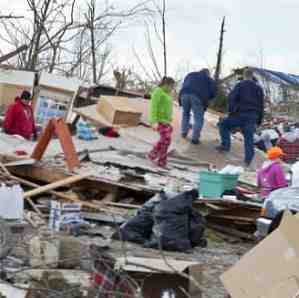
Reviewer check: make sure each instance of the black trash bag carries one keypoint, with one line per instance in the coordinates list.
(139, 228)
(172, 225)
(197, 229)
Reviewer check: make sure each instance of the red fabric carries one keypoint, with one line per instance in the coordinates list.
(290, 150)
(19, 120)
(21, 152)
(160, 150)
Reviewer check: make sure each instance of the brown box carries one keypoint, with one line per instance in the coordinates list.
(118, 111)
(157, 276)
(271, 269)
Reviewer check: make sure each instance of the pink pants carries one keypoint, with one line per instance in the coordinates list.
(159, 151)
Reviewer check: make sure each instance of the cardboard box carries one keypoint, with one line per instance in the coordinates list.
(118, 111)
(166, 277)
(269, 269)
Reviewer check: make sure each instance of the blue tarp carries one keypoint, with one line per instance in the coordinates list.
(278, 77)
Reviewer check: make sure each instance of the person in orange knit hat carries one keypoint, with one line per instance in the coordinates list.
(271, 176)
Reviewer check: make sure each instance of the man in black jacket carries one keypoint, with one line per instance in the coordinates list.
(246, 111)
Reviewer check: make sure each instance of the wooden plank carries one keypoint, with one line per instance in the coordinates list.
(64, 196)
(231, 231)
(121, 205)
(54, 185)
(231, 217)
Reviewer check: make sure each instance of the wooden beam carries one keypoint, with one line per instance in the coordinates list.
(121, 205)
(64, 196)
(54, 185)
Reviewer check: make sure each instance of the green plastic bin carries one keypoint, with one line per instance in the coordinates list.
(213, 184)
(230, 181)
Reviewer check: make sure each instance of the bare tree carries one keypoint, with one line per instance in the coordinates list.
(156, 42)
(10, 16)
(92, 49)
(43, 32)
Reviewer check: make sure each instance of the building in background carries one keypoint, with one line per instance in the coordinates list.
(281, 89)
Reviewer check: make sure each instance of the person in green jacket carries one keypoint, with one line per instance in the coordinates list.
(161, 109)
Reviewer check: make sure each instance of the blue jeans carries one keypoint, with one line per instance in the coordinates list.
(192, 103)
(247, 124)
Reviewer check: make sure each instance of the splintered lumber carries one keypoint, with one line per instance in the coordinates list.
(63, 196)
(121, 205)
(232, 232)
(54, 185)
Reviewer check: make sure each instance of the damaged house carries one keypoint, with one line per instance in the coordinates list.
(281, 89)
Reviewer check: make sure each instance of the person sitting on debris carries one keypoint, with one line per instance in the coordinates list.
(197, 91)
(246, 110)
(19, 118)
(161, 109)
(289, 143)
(271, 176)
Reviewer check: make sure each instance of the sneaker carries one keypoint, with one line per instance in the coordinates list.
(195, 142)
(163, 166)
(221, 148)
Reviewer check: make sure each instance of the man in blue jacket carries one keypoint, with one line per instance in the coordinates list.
(197, 90)
(246, 111)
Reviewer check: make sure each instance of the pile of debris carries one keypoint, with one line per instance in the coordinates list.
(95, 217)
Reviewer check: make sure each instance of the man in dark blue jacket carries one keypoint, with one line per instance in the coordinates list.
(197, 90)
(246, 111)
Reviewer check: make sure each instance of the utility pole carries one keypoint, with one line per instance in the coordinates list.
(220, 53)
(164, 36)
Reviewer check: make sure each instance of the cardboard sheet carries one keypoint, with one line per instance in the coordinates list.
(272, 264)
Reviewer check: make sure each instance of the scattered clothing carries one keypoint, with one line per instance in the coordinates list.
(270, 177)
(289, 143)
(19, 120)
(161, 110)
(197, 91)
(266, 139)
(85, 131)
(109, 132)
(106, 281)
(160, 150)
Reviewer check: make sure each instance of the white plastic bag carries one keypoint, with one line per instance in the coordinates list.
(295, 174)
(231, 170)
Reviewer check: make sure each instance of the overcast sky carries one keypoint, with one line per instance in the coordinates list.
(258, 32)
